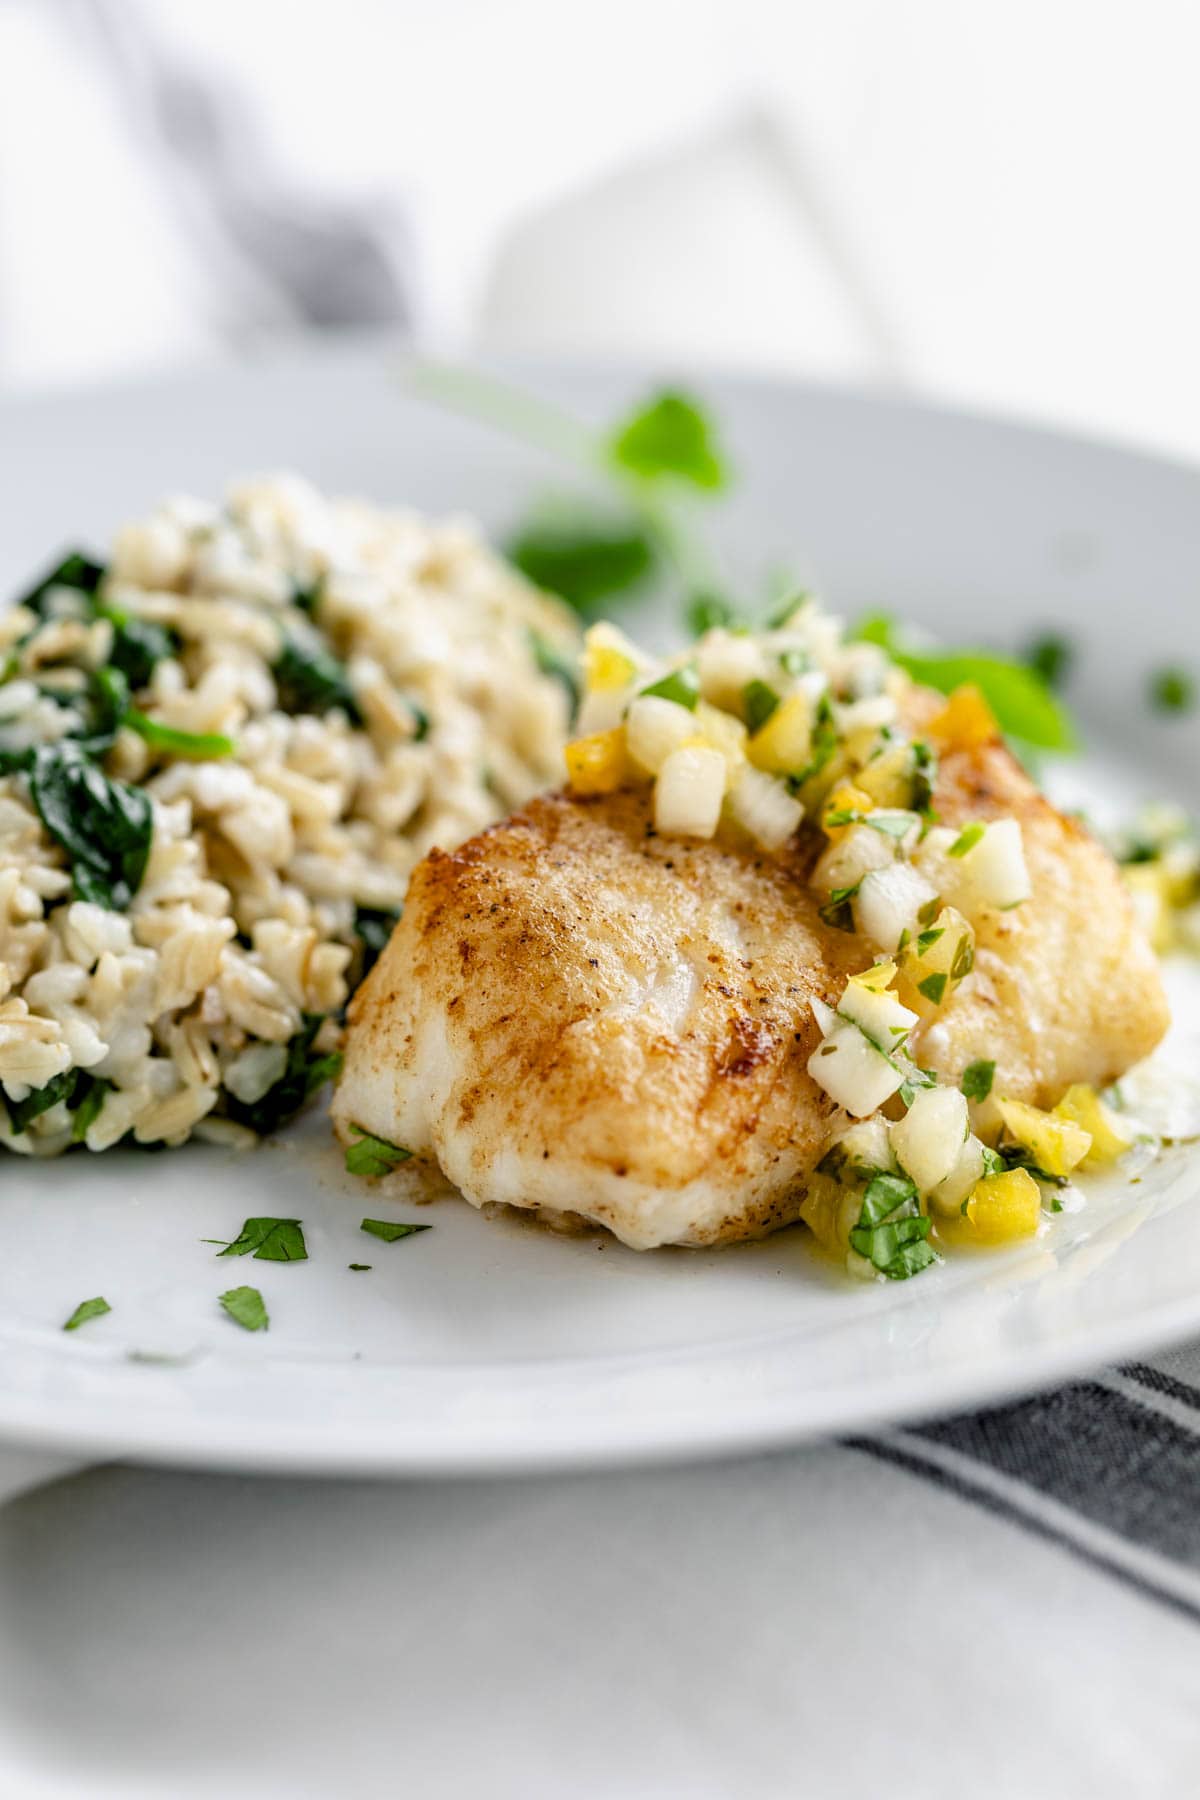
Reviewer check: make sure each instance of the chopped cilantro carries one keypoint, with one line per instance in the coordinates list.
(1051, 658)
(269, 1240)
(934, 987)
(977, 1079)
(359, 1268)
(389, 1230)
(758, 702)
(87, 1309)
(837, 911)
(928, 939)
(246, 1307)
(964, 958)
(373, 1155)
(1172, 690)
(708, 612)
(967, 839)
(681, 685)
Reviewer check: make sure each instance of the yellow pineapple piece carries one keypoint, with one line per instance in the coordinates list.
(1110, 1135)
(1002, 1208)
(936, 958)
(1057, 1145)
(597, 764)
(783, 745)
(888, 778)
(843, 799)
(609, 660)
(966, 722)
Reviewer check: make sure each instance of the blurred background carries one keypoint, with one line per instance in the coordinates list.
(990, 204)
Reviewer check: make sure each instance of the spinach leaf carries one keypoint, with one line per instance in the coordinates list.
(669, 436)
(74, 571)
(203, 745)
(105, 826)
(373, 925)
(309, 679)
(22, 1113)
(304, 1073)
(583, 557)
(88, 1103)
(138, 645)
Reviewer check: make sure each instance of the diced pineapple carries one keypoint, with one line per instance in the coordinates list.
(597, 764)
(724, 733)
(889, 778)
(1004, 1207)
(844, 799)
(763, 807)
(831, 1210)
(689, 791)
(947, 1197)
(654, 727)
(1110, 1135)
(927, 1141)
(1057, 1145)
(936, 960)
(610, 661)
(966, 722)
(783, 746)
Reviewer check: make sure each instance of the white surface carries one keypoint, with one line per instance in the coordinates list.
(484, 1345)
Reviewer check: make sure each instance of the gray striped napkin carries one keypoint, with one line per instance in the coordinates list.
(1107, 1467)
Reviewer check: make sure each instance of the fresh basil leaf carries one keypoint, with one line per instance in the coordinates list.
(201, 745)
(373, 926)
(681, 685)
(246, 1307)
(758, 703)
(74, 571)
(105, 826)
(1022, 703)
(269, 1240)
(310, 679)
(977, 1079)
(303, 1074)
(552, 662)
(373, 1155)
(712, 612)
(910, 1260)
(87, 1309)
(583, 557)
(669, 436)
(389, 1230)
(882, 1244)
(884, 1193)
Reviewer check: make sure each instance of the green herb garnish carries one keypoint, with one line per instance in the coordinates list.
(583, 557)
(201, 745)
(269, 1240)
(758, 703)
(977, 1079)
(1172, 690)
(553, 663)
(837, 911)
(373, 926)
(88, 1106)
(669, 437)
(934, 987)
(74, 571)
(967, 839)
(891, 1231)
(710, 612)
(680, 685)
(373, 1155)
(1050, 658)
(389, 1230)
(246, 1307)
(359, 1268)
(87, 1309)
(139, 646)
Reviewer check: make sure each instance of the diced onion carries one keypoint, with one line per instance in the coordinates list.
(654, 727)
(845, 863)
(928, 1139)
(867, 1145)
(764, 808)
(887, 903)
(725, 663)
(877, 1012)
(689, 792)
(948, 1195)
(996, 868)
(853, 1072)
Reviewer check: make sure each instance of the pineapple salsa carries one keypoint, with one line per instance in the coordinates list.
(751, 733)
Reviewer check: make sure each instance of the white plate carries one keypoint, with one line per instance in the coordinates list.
(491, 1345)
